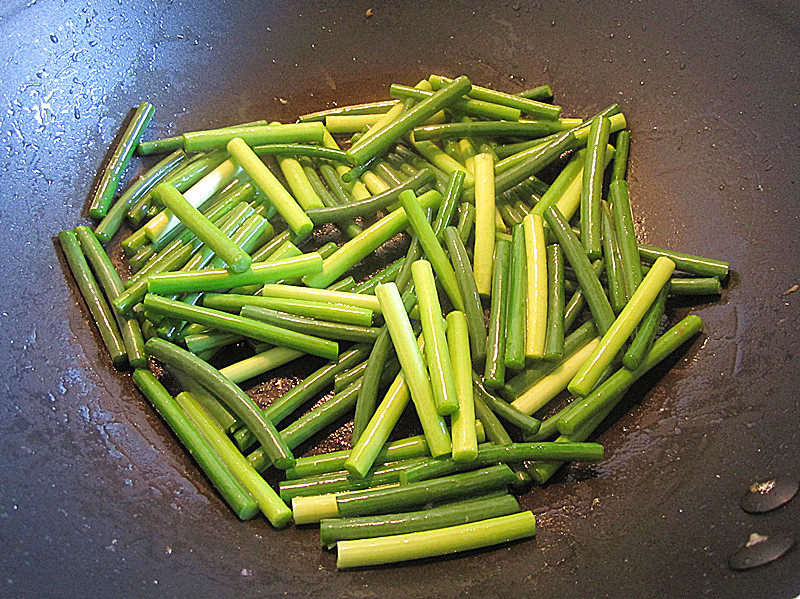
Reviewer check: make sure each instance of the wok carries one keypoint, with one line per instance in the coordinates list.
(97, 499)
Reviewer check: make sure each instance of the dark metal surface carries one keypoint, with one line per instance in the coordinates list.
(96, 499)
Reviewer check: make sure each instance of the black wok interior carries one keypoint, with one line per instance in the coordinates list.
(96, 496)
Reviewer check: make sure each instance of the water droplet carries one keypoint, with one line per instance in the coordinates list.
(53, 38)
(769, 495)
(760, 550)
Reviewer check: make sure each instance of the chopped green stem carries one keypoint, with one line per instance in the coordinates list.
(702, 286)
(321, 310)
(368, 108)
(220, 278)
(229, 393)
(160, 146)
(416, 375)
(313, 384)
(437, 354)
(430, 543)
(623, 145)
(431, 246)
(554, 338)
(478, 108)
(615, 279)
(540, 368)
(253, 135)
(109, 280)
(626, 234)
(464, 437)
(303, 324)
(525, 105)
(527, 129)
(505, 454)
(529, 163)
(466, 221)
(360, 153)
(382, 501)
(542, 93)
(385, 275)
(259, 364)
(593, 167)
(234, 493)
(494, 371)
(243, 326)
(576, 256)
(335, 530)
(555, 381)
(647, 332)
(484, 196)
(469, 293)
(694, 265)
(112, 172)
(372, 204)
(90, 290)
(327, 463)
(111, 222)
(201, 342)
(537, 305)
(616, 336)
(608, 394)
(373, 237)
(358, 300)
(273, 507)
(526, 424)
(269, 185)
(516, 318)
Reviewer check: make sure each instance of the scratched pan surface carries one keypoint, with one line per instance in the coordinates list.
(96, 497)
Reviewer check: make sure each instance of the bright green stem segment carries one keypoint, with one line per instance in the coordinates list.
(616, 336)
(369, 302)
(225, 482)
(227, 392)
(626, 235)
(540, 393)
(450, 514)
(483, 251)
(647, 332)
(433, 329)
(247, 327)
(554, 339)
(416, 375)
(601, 310)
(593, 167)
(516, 317)
(607, 395)
(269, 185)
(495, 368)
(382, 501)
(326, 463)
(525, 105)
(465, 441)
(109, 280)
(276, 511)
(536, 265)
(430, 543)
(418, 114)
(231, 302)
(370, 444)
(367, 242)
(432, 248)
(90, 290)
(473, 309)
(220, 278)
(253, 135)
(109, 180)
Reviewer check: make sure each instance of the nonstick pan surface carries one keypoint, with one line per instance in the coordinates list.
(96, 497)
